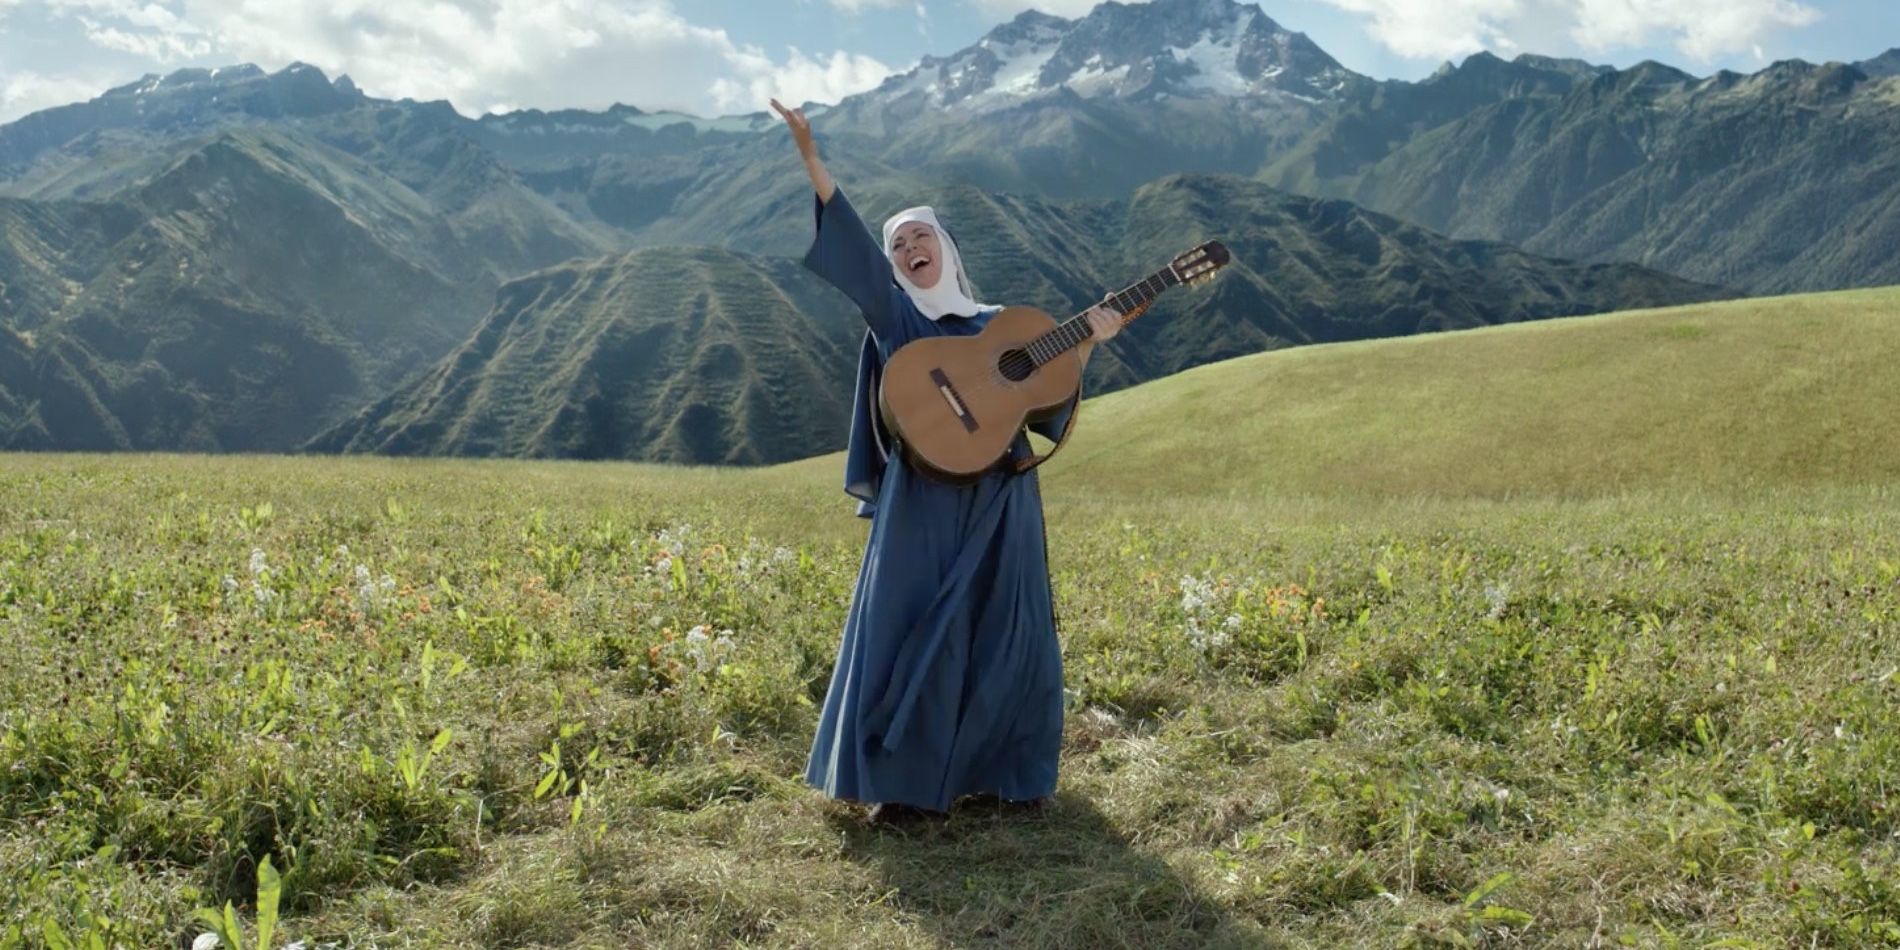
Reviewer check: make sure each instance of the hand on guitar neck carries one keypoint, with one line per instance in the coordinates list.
(1103, 325)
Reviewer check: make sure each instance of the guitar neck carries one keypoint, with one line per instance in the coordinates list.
(1072, 332)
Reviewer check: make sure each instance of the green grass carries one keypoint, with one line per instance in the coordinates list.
(459, 703)
(1768, 391)
(1662, 718)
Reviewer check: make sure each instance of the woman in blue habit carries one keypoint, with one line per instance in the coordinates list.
(949, 677)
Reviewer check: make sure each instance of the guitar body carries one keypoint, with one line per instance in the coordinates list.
(950, 403)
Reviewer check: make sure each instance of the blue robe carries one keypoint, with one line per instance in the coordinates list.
(949, 677)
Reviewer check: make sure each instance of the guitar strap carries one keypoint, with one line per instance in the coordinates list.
(1025, 464)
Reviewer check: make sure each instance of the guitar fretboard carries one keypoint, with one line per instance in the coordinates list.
(1073, 331)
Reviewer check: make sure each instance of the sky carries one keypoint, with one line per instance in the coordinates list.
(714, 57)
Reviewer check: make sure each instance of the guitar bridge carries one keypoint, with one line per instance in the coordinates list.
(949, 392)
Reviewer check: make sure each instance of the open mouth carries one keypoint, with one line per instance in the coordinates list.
(919, 264)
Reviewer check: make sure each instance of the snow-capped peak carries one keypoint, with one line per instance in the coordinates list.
(1181, 48)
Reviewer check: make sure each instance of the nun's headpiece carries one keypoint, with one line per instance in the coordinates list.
(952, 294)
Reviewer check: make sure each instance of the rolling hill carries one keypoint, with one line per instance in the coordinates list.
(1736, 394)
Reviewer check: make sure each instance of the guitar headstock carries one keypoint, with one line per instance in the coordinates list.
(1198, 266)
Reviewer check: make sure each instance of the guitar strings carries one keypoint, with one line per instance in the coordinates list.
(1000, 376)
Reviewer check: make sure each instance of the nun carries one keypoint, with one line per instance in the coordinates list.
(949, 676)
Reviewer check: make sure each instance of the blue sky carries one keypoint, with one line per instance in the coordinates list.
(719, 56)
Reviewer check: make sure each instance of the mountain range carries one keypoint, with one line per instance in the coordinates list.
(232, 259)
(711, 356)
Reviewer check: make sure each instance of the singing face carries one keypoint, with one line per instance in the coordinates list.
(917, 252)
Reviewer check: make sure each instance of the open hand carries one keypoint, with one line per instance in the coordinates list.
(1103, 322)
(801, 129)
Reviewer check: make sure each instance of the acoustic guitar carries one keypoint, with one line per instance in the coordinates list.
(956, 403)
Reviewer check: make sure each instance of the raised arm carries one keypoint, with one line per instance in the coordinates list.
(843, 251)
(808, 150)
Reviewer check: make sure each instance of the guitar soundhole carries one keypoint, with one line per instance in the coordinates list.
(1015, 365)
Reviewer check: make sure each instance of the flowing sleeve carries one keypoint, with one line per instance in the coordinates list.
(847, 257)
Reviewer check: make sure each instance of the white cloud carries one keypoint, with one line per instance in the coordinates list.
(22, 93)
(1703, 29)
(479, 54)
(1700, 29)
(800, 79)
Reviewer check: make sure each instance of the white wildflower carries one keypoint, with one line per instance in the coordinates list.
(782, 554)
(371, 591)
(1497, 596)
(673, 540)
(707, 650)
(696, 641)
(1196, 593)
(259, 567)
(230, 585)
(1203, 639)
(206, 941)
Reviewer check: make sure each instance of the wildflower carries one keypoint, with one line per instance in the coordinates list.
(1497, 596)
(371, 591)
(230, 585)
(673, 540)
(258, 565)
(1195, 593)
(1203, 639)
(696, 641)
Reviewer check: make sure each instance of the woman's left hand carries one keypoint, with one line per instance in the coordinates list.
(1104, 323)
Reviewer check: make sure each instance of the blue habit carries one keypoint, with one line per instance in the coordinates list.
(949, 677)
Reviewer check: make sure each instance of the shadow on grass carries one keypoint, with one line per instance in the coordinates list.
(1063, 877)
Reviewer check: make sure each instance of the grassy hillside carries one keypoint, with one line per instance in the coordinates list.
(1770, 391)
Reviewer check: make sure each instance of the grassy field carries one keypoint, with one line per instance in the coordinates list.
(565, 705)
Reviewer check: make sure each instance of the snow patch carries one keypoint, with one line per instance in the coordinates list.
(1021, 64)
(1093, 80)
(1215, 60)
